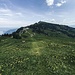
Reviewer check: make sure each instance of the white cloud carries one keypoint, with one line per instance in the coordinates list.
(61, 3)
(19, 14)
(50, 2)
(52, 20)
(9, 13)
(2, 10)
(5, 12)
(10, 18)
(6, 22)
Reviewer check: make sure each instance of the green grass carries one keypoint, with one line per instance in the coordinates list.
(37, 55)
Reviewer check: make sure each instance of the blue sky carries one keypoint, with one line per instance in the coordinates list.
(17, 13)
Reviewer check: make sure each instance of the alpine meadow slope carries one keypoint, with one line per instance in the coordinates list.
(39, 49)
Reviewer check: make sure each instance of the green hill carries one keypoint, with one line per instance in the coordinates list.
(39, 49)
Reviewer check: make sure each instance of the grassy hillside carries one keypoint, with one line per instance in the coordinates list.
(39, 49)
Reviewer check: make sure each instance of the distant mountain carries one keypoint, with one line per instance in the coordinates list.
(10, 31)
(47, 29)
(6, 30)
(3, 30)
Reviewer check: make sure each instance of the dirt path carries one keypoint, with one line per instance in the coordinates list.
(36, 50)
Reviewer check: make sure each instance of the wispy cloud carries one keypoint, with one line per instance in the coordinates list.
(3, 10)
(11, 23)
(50, 2)
(10, 18)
